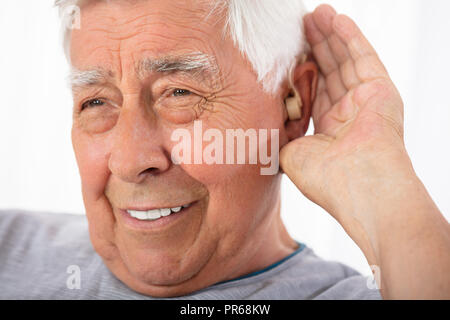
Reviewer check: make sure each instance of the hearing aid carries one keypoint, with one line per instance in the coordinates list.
(294, 103)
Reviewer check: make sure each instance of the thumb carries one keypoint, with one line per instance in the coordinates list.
(302, 160)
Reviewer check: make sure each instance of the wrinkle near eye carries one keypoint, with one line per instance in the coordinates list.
(184, 109)
(207, 104)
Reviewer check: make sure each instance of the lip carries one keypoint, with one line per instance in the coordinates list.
(159, 224)
(147, 208)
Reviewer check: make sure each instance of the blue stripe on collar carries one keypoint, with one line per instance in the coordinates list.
(276, 264)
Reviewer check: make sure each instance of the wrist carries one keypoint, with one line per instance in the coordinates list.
(375, 196)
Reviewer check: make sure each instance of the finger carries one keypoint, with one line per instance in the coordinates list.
(339, 116)
(347, 42)
(335, 86)
(352, 37)
(322, 104)
(349, 76)
(367, 64)
(317, 33)
(322, 100)
(319, 45)
(345, 77)
(339, 49)
(323, 18)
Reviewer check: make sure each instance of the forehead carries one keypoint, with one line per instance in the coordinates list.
(118, 34)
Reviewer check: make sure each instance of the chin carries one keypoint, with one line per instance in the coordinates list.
(158, 273)
(157, 281)
(161, 271)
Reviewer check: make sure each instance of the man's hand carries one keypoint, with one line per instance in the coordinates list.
(356, 166)
(358, 113)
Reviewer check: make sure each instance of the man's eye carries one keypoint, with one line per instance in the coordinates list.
(181, 92)
(92, 103)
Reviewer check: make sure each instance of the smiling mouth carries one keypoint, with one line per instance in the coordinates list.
(155, 214)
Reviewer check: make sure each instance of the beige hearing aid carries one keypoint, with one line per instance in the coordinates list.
(294, 102)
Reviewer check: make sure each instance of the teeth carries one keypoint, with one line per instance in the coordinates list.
(141, 215)
(165, 212)
(155, 213)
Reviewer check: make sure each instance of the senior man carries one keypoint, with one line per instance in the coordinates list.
(143, 69)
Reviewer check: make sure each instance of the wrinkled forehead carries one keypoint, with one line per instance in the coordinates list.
(119, 34)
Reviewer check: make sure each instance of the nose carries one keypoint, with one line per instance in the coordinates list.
(137, 147)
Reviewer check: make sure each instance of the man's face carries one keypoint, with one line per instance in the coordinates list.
(122, 140)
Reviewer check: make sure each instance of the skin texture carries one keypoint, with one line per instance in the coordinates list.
(356, 166)
(123, 149)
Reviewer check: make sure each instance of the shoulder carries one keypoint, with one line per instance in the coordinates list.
(304, 276)
(332, 280)
(19, 227)
(321, 279)
(36, 250)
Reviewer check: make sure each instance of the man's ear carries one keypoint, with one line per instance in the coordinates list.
(304, 79)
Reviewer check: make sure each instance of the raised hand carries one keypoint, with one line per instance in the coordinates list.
(358, 115)
(356, 166)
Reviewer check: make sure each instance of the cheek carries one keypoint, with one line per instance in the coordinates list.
(239, 195)
(92, 159)
(240, 200)
(234, 188)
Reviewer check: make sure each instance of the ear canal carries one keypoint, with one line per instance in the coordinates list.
(294, 102)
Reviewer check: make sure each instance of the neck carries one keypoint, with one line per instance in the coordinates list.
(272, 243)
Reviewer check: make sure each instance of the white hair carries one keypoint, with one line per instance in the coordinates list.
(269, 33)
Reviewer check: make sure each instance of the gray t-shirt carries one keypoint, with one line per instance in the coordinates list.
(42, 253)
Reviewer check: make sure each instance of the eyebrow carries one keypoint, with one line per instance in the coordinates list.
(85, 78)
(196, 64)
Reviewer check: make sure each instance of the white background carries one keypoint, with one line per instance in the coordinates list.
(37, 166)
